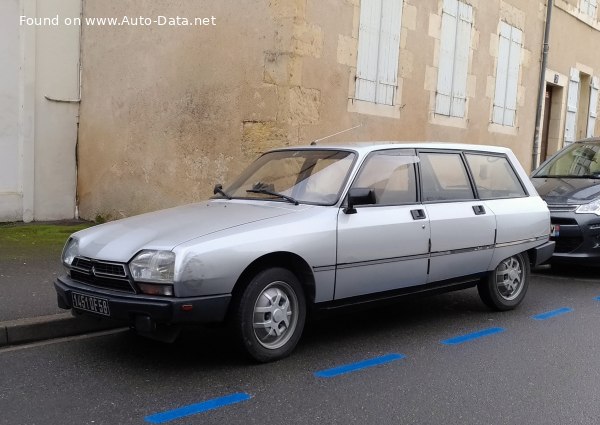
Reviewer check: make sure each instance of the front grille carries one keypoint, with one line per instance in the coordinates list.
(567, 244)
(563, 220)
(562, 208)
(101, 274)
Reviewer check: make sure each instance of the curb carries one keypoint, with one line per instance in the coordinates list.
(41, 328)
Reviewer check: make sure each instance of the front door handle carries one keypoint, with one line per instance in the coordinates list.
(478, 209)
(418, 214)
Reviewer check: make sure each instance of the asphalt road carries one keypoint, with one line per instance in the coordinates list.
(28, 285)
(528, 372)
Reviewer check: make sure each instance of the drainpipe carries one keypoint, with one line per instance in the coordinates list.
(542, 89)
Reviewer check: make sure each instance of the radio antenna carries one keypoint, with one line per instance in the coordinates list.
(314, 142)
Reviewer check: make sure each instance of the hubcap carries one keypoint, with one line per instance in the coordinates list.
(275, 315)
(509, 278)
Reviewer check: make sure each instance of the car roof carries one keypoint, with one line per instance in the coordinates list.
(366, 146)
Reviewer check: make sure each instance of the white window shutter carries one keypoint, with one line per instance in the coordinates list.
(389, 51)
(501, 74)
(446, 57)
(572, 99)
(593, 107)
(507, 75)
(584, 6)
(461, 60)
(368, 49)
(512, 82)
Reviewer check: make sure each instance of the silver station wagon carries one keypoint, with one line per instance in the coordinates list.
(316, 227)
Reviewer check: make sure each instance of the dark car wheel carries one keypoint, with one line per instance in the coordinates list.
(269, 315)
(504, 288)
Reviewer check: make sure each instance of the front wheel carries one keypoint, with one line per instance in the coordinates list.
(505, 287)
(269, 315)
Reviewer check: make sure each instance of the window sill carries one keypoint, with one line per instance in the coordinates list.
(370, 108)
(503, 129)
(437, 119)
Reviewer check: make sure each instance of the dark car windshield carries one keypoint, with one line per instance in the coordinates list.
(314, 176)
(579, 160)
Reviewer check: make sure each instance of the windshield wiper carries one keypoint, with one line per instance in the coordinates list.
(272, 193)
(219, 189)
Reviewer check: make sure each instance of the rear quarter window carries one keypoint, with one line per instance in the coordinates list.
(494, 177)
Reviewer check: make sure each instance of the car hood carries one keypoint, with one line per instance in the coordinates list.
(120, 240)
(560, 191)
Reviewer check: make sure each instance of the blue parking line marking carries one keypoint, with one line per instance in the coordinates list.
(553, 313)
(353, 367)
(193, 409)
(474, 335)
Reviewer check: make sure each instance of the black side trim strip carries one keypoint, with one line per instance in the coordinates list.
(427, 289)
(462, 250)
(426, 255)
(381, 261)
(324, 268)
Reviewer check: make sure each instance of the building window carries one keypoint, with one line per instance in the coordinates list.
(455, 45)
(588, 7)
(378, 51)
(507, 75)
(582, 106)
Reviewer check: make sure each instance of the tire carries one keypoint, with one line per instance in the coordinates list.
(505, 287)
(269, 315)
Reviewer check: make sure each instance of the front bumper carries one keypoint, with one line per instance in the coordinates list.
(158, 310)
(579, 238)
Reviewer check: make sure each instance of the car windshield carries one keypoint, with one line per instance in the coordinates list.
(309, 176)
(580, 160)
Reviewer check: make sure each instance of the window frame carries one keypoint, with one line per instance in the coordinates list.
(512, 168)
(460, 154)
(415, 166)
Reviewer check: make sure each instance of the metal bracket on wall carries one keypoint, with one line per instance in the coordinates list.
(51, 99)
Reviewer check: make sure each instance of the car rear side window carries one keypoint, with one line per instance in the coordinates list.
(444, 177)
(391, 174)
(494, 177)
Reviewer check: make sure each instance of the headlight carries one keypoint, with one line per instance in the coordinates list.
(153, 266)
(591, 208)
(70, 251)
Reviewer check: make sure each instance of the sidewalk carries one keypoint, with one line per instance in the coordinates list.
(29, 263)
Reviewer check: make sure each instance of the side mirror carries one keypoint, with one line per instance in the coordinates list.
(359, 196)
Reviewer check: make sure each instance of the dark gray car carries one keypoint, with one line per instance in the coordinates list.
(569, 182)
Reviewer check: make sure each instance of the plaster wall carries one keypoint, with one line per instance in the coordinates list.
(572, 39)
(56, 111)
(167, 112)
(419, 56)
(10, 187)
(38, 130)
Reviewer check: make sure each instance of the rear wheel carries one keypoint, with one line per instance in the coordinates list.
(269, 315)
(505, 287)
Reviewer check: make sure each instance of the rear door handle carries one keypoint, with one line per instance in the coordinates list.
(418, 214)
(478, 209)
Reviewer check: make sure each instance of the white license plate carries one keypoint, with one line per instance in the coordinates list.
(91, 304)
(554, 230)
